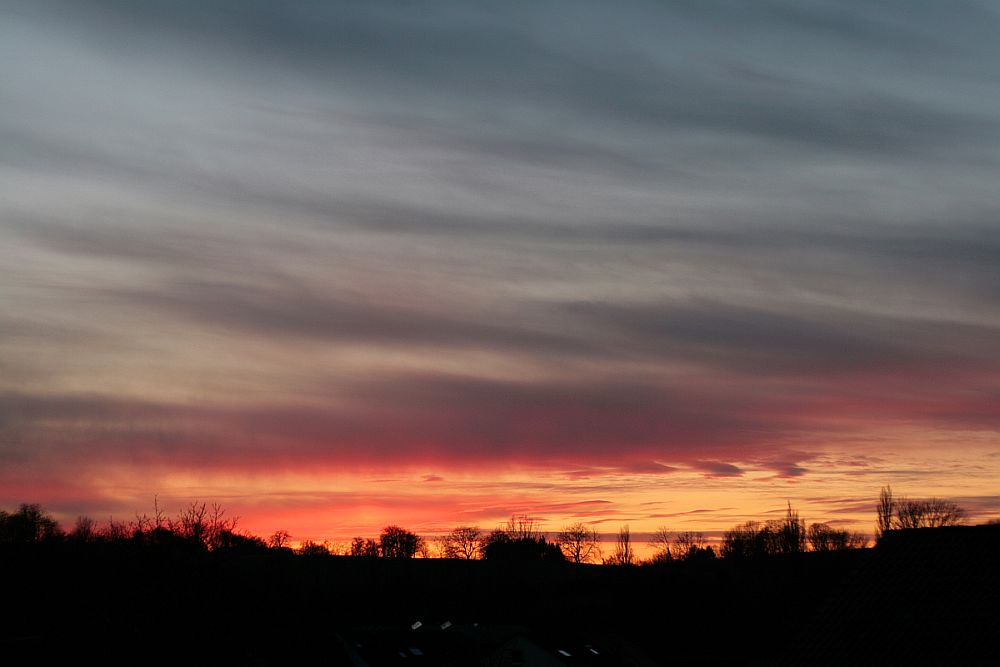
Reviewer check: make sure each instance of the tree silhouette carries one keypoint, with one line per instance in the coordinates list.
(689, 545)
(753, 539)
(623, 553)
(198, 523)
(28, 524)
(823, 537)
(396, 542)
(931, 513)
(895, 514)
(116, 531)
(85, 530)
(363, 547)
(662, 544)
(279, 539)
(522, 526)
(884, 511)
(785, 536)
(462, 542)
(520, 539)
(310, 548)
(240, 542)
(744, 541)
(579, 543)
(685, 545)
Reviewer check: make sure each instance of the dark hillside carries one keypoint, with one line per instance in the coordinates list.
(928, 591)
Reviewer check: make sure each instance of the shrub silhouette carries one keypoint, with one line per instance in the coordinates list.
(520, 539)
(310, 548)
(823, 537)
(499, 546)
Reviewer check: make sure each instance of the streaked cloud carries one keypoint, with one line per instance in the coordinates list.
(628, 249)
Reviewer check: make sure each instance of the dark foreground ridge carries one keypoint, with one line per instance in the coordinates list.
(920, 594)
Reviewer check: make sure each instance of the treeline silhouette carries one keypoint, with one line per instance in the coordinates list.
(194, 588)
(199, 526)
(208, 527)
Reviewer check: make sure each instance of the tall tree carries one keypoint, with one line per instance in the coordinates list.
(786, 536)
(623, 553)
(884, 511)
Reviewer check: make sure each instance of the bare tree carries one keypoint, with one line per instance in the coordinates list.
(688, 544)
(426, 548)
(579, 543)
(142, 525)
(462, 542)
(279, 539)
(116, 531)
(192, 523)
(931, 513)
(200, 523)
(894, 514)
(662, 544)
(159, 518)
(522, 526)
(219, 527)
(85, 530)
(785, 536)
(885, 510)
(623, 553)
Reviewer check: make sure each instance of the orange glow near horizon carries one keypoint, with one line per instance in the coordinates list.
(336, 506)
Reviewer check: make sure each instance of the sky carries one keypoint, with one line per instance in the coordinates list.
(336, 265)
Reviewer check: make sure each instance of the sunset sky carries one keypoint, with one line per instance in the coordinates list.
(336, 265)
